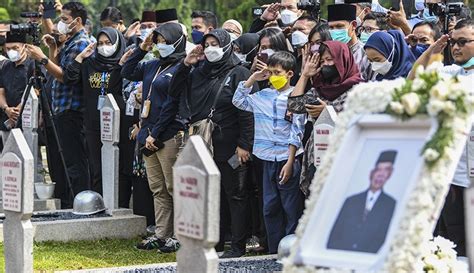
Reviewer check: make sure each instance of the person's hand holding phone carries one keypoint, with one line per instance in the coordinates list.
(314, 110)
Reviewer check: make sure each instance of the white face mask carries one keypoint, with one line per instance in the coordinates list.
(288, 17)
(298, 38)
(382, 68)
(165, 50)
(242, 57)
(233, 36)
(107, 50)
(268, 51)
(14, 55)
(63, 28)
(215, 53)
(419, 5)
(145, 32)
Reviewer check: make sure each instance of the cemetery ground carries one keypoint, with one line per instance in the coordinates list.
(52, 256)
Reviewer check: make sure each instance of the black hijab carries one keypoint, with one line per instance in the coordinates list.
(248, 43)
(112, 62)
(228, 61)
(173, 35)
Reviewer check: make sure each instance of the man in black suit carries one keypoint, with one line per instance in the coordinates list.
(363, 221)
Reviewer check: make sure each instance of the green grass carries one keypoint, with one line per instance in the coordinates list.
(50, 256)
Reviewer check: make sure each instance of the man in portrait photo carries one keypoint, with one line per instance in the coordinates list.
(364, 219)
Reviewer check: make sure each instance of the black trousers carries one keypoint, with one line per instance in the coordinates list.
(143, 199)
(256, 201)
(69, 125)
(451, 221)
(235, 190)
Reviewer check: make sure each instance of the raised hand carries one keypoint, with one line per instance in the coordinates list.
(438, 46)
(271, 12)
(262, 72)
(312, 66)
(132, 29)
(125, 57)
(194, 56)
(147, 45)
(49, 41)
(86, 53)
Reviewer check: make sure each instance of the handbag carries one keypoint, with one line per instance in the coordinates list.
(205, 127)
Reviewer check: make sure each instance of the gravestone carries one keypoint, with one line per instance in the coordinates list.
(110, 137)
(29, 124)
(17, 184)
(469, 200)
(196, 208)
(323, 128)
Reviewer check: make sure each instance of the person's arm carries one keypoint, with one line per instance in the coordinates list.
(269, 14)
(398, 20)
(295, 142)
(424, 59)
(257, 25)
(168, 113)
(311, 68)
(132, 69)
(242, 98)
(11, 112)
(72, 75)
(37, 54)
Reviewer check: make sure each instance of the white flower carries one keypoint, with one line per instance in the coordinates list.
(434, 67)
(419, 70)
(449, 108)
(440, 90)
(418, 84)
(443, 243)
(396, 107)
(411, 103)
(434, 107)
(431, 155)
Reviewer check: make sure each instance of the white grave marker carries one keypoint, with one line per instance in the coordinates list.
(110, 136)
(196, 208)
(29, 124)
(323, 128)
(17, 166)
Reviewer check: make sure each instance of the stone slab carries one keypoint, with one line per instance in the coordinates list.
(122, 225)
(43, 205)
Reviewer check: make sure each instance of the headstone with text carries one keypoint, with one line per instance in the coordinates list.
(17, 166)
(323, 128)
(469, 199)
(29, 124)
(110, 137)
(196, 207)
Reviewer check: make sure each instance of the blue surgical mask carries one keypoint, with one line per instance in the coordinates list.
(197, 36)
(341, 35)
(165, 50)
(428, 17)
(419, 49)
(145, 32)
(469, 63)
(364, 37)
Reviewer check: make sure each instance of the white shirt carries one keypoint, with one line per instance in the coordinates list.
(371, 199)
(461, 177)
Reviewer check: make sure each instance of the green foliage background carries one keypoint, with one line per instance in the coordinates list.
(240, 10)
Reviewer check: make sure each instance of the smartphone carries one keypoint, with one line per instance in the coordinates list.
(49, 11)
(234, 161)
(263, 57)
(312, 101)
(148, 152)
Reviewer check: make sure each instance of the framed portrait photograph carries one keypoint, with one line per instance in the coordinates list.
(370, 181)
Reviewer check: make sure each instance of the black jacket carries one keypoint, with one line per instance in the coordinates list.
(355, 231)
(233, 126)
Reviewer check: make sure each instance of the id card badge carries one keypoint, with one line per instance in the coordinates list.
(130, 107)
(100, 102)
(146, 109)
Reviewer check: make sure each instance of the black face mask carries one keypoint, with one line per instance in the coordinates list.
(329, 72)
(2, 40)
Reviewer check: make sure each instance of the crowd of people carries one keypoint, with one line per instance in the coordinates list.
(262, 88)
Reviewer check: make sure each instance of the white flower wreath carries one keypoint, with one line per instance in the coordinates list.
(447, 99)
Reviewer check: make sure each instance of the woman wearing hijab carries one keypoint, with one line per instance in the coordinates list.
(99, 75)
(161, 130)
(389, 55)
(245, 48)
(333, 72)
(233, 134)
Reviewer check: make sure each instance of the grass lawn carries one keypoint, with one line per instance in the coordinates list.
(50, 256)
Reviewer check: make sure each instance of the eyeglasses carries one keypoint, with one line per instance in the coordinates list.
(460, 42)
(367, 29)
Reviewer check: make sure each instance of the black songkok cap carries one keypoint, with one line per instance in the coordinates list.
(387, 156)
(148, 16)
(166, 15)
(15, 37)
(341, 12)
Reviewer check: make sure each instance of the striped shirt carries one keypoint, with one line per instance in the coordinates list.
(273, 134)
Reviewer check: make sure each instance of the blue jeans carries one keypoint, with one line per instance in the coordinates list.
(282, 204)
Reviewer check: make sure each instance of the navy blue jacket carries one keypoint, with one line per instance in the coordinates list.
(162, 121)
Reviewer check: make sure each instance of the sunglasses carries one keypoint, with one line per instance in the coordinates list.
(460, 42)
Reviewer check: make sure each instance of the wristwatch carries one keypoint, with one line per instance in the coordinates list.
(44, 61)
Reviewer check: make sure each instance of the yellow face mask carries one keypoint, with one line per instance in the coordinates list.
(278, 82)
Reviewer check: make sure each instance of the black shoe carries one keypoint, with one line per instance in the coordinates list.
(171, 245)
(232, 253)
(151, 243)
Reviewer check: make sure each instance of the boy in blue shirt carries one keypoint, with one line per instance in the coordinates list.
(277, 142)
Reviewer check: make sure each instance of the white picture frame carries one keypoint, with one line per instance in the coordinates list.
(417, 211)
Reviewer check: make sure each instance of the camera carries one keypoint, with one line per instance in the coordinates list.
(257, 12)
(443, 9)
(31, 28)
(313, 7)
